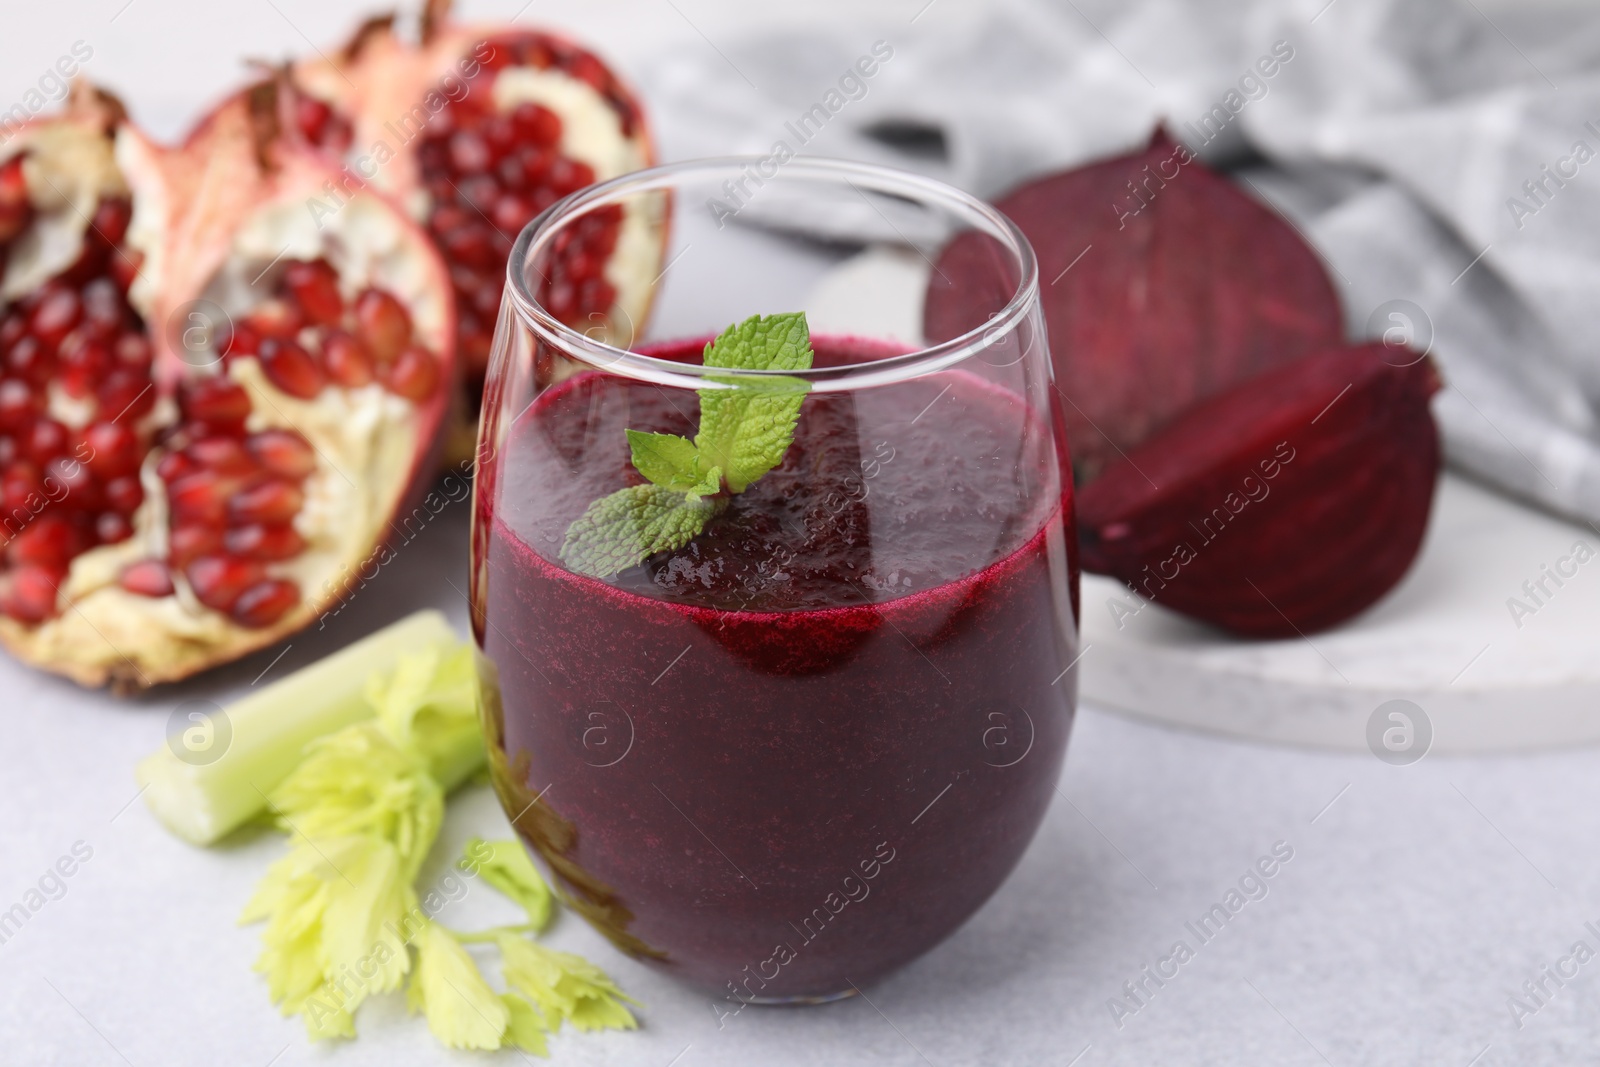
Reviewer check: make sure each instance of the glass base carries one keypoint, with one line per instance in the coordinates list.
(825, 998)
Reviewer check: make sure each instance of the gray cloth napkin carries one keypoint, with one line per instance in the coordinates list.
(1442, 156)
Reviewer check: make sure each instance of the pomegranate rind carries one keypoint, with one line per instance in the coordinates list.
(211, 216)
(1162, 284)
(1284, 506)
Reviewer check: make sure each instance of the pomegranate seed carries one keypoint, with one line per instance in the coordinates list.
(21, 488)
(511, 213)
(283, 452)
(383, 323)
(347, 360)
(82, 492)
(587, 68)
(29, 361)
(433, 155)
(124, 495)
(113, 449)
(508, 172)
(568, 176)
(175, 465)
(90, 264)
(103, 307)
(241, 340)
(132, 352)
(500, 55)
(485, 300)
(46, 439)
(535, 164)
(479, 192)
(273, 500)
(217, 401)
(562, 300)
(311, 118)
(580, 265)
(8, 450)
(440, 187)
(315, 286)
(201, 498)
(110, 528)
(218, 581)
(12, 329)
(537, 124)
(265, 603)
(57, 311)
(595, 296)
(77, 384)
(501, 137)
(275, 318)
(440, 125)
(16, 209)
(111, 220)
(263, 542)
(29, 594)
(468, 244)
(447, 217)
(148, 577)
(415, 375)
(187, 542)
(47, 541)
(18, 405)
(226, 455)
(126, 396)
(291, 368)
(468, 152)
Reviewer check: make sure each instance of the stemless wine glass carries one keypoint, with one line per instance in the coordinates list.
(803, 748)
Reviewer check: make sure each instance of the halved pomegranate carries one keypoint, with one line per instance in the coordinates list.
(185, 468)
(477, 130)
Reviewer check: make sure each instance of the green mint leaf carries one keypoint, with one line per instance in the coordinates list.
(631, 525)
(745, 430)
(763, 342)
(673, 462)
(746, 426)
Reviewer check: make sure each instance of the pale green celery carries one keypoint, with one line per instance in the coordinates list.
(272, 727)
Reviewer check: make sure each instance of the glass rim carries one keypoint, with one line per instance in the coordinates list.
(904, 184)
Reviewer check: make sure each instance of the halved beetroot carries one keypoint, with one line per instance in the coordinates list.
(1283, 506)
(183, 480)
(477, 130)
(1162, 284)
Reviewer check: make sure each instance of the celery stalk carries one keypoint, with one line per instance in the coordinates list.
(270, 730)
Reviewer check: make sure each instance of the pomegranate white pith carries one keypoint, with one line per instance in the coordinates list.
(266, 457)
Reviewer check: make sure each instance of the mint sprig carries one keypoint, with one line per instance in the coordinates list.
(745, 429)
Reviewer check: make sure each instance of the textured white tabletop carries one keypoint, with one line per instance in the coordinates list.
(1416, 901)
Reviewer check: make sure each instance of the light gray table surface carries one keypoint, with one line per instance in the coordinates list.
(1418, 899)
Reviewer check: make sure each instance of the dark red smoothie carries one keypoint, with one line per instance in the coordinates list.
(804, 748)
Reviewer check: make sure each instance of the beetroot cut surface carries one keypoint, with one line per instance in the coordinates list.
(1281, 507)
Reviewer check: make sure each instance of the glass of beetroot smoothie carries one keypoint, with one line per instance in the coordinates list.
(807, 718)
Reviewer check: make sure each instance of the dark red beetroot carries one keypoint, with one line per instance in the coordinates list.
(474, 167)
(818, 687)
(1185, 287)
(1283, 506)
